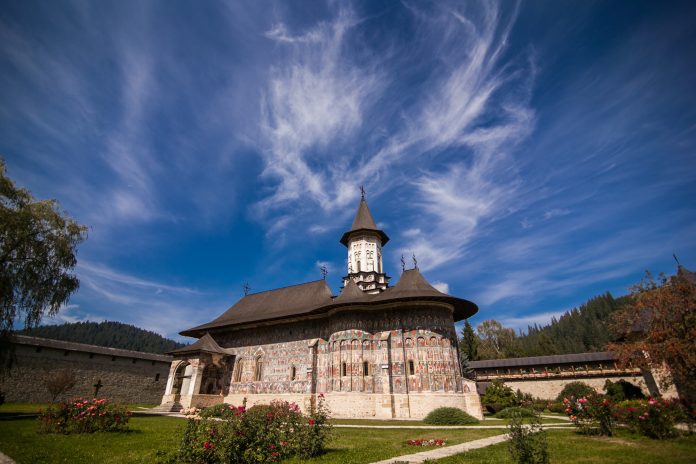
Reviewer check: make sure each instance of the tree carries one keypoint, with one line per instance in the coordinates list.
(657, 329)
(469, 342)
(496, 341)
(37, 253)
(59, 382)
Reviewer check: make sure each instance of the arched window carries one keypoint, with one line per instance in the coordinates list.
(366, 368)
(258, 369)
(292, 373)
(238, 371)
(411, 367)
(343, 369)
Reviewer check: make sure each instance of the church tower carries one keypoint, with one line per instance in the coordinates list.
(364, 242)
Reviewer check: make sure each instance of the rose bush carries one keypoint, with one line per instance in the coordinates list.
(84, 416)
(654, 417)
(592, 414)
(260, 434)
(427, 442)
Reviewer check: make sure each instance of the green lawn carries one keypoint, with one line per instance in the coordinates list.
(150, 436)
(569, 447)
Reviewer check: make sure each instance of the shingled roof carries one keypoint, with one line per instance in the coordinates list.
(205, 343)
(272, 304)
(600, 356)
(315, 297)
(364, 222)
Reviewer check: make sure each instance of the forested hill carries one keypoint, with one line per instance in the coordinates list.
(580, 330)
(108, 333)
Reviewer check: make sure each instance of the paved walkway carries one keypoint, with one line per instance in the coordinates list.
(5, 459)
(447, 451)
(436, 427)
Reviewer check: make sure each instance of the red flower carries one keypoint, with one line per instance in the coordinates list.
(208, 445)
(311, 421)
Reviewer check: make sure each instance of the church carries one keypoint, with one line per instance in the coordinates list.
(373, 351)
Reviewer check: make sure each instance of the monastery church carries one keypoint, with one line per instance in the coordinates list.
(373, 351)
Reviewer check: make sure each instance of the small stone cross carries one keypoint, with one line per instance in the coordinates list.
(97, 386)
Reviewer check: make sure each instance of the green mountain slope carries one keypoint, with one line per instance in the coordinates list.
(108, 333)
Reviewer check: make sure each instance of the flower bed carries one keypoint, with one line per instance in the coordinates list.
(426, 442)
(260, 434)
(84, 416)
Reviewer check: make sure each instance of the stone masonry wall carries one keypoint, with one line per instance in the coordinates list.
(126, 380)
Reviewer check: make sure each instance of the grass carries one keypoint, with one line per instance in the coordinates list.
(12, 410)
(359, 446)
(148, 435)
(570, 447)
(19, 440)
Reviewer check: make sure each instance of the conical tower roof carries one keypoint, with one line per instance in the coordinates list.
(364, 222)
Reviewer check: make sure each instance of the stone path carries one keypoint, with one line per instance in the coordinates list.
(5, 459)
(435, 427)
(447, 451)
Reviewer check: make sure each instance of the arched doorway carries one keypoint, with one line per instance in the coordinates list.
(182, 379)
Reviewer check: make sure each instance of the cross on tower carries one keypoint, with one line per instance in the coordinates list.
(362, 192)
(246, 287)
(324, 270)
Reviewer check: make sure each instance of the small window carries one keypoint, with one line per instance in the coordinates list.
(157, 377)
(113, 358)
(38, 349)
(258, 371)
(91, 355)
(134, 360)
(366, 368)
(411, 367)
(293, 371)
(65, 353)
(343, 369)
(238, 372)
(153, 363)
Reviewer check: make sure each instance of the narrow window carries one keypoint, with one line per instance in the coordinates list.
(411, 368)
(343, 369)
(91, 355)
(258, 370)
(134, 360)
(293, 373)
(113, 358)
(238, 372)
(38, 349)
(366, 368)
(65, 353)
(157, 377)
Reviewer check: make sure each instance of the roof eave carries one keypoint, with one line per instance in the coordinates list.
(384, 237)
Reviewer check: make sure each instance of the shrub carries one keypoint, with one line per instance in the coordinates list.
(528, 445)
(592, 414)
(556, 407)
(540, 405)
(497, 393)
(508, 413)
(654, 418)
(449, 416)
(223, 411)
(261, 434)
(84, 416)
(576, 390)
(622, 391)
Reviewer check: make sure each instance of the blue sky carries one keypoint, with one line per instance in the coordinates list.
(531, 155)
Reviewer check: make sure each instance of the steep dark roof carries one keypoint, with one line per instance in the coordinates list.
(364, 222)
(72, 346)
(607, 356)
(315, 297)
(205, 343)
(351, 293)
(272, 304)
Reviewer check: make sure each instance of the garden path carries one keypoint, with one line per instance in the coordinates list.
(447, 451)
(5, 459)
